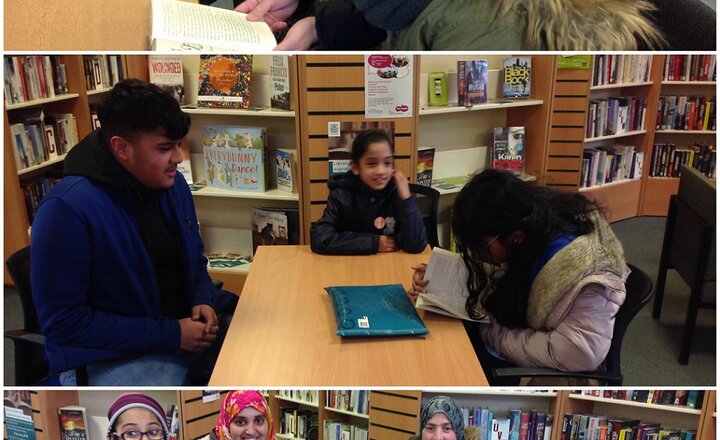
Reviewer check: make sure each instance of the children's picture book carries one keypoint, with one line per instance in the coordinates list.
(382, 310)
(225, 81)
(269, 228)
(280, 83)
(286, 170)
(191, 27)
(425, 160)
(73, 423)
(472, 82)
(166, 72)
(508, 152)
(185, 167)
(517, 77)
(340, 139)
(234, 157)
(447, 292)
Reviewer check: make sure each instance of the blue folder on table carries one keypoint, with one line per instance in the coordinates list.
(383, 310)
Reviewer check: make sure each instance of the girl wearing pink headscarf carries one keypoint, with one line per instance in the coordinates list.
(244, 415)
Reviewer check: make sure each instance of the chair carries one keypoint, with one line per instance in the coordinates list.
(689, 248)
(639, 289)
(31, 367)
(428, 205)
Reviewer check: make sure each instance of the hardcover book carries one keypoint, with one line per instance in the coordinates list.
(280, 83)
(167, 73)
(225, 81)
(73, 423)
(234, 157)
(517, 77)
(508, 151)
(472, 82)
(269, 228)
(192, 27)
(382, 310)
(447, 292)
(425, 161)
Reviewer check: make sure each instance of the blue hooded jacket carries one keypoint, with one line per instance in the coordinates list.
(93, 282)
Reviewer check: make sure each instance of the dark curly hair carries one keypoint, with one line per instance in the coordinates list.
(498, 203)
(134, 106)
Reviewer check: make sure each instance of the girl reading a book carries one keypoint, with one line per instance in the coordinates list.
(370, 208)
(545, 266)
(243, 415)
(135, 415)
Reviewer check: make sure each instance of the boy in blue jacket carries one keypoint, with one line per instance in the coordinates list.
(119, 278)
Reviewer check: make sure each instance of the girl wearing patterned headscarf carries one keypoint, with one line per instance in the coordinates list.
(441, 419)
(244, 415)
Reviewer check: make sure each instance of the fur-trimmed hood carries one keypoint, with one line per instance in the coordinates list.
(559, 280)
(586, 24)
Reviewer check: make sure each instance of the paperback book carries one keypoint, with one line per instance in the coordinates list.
(234, 157)
(508, 152)
(166, 72)
(269, 228)
(285, 170)
(472, 82)
(73, 423)
(280, 83)
(447, 292)
(517, 77)
(225, 81)
(425, 161)
(186, 26)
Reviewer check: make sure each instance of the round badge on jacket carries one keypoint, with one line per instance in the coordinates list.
(379, 222)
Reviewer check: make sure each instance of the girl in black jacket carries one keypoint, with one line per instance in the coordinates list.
(370, 208)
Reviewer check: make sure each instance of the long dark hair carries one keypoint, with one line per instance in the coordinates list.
(494, 203)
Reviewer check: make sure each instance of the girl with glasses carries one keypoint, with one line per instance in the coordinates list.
(547, 268)
(136, 416)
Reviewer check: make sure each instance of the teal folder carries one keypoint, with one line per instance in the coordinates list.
(383, 310)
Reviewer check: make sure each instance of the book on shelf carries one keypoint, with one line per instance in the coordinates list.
(447, 292)
(218, 260)
(286, 170)
(437, 89)
(274, 226)
(224, 81)
(378, 310)
(424, 167)
(66, 131)
(472, 82)
(33, 77)
(517, 78)
(508, 151)
(185, 167)
(73, 423)
(280, 91)
(166, 72)
(621, 69)
(33, 138)
(689, 68)
(234, 157)
(187, 26)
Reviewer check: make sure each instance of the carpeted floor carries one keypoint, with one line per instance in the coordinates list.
(650, 348)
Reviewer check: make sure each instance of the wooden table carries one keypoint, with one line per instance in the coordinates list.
(283, 330)
(38, 25)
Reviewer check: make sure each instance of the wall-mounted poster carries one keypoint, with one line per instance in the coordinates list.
(388, 86)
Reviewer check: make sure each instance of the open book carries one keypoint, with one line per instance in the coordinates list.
(184, 26)
(447, 291)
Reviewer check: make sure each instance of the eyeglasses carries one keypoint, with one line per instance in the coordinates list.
(153, 434)
(484, 253)
(487, 245)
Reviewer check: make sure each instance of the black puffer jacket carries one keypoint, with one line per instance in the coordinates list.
(356, 216)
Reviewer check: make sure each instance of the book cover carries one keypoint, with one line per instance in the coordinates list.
(166, 72)
(269, 228)
(508, 152)
(234, 157)
(501, 429)
(18, 412)
(73, 423)
(472, 82)
(424, 168)
(447, 292)
(381, 310)
(437, 89)
(185, 167)
(225, 81)
(517, 77)
(280, 83)
(192, 27)
(286, 170)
